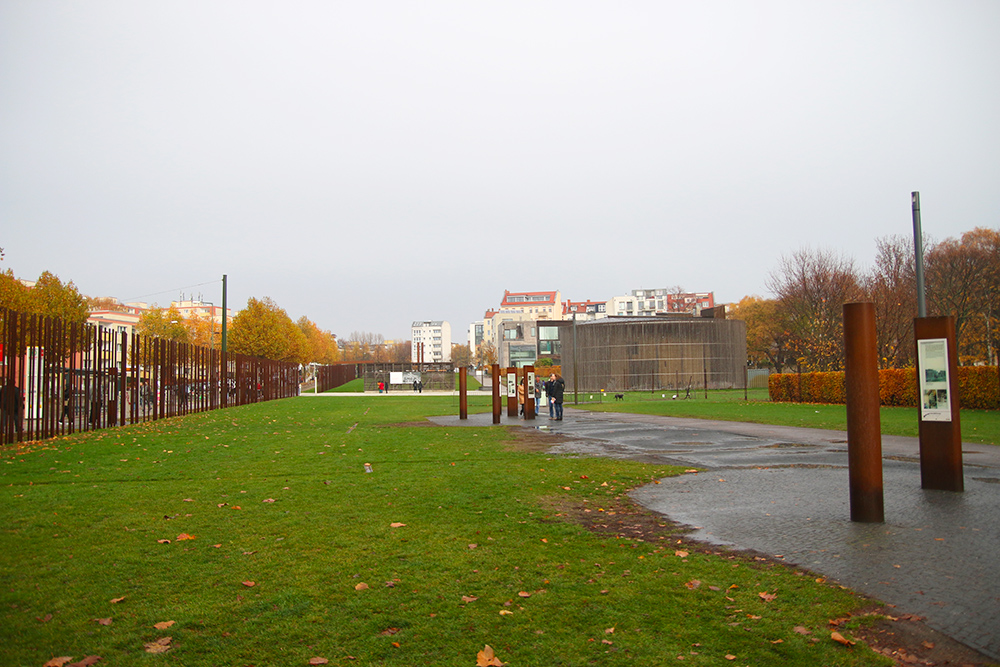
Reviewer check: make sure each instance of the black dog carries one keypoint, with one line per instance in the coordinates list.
(619, 397)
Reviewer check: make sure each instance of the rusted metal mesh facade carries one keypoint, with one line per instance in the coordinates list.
(332, 376)
(58, 378)
(439, 376)
(653, 354)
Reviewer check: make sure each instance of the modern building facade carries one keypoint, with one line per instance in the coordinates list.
(431, 342)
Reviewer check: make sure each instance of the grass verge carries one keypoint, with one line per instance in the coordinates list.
(259, 534)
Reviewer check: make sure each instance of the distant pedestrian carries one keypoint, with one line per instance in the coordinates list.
(414, 386)
(520, 397)
(381, 386)
(420, 386)
(66, 414)
(548, 396)
(558, 387)
(12, 407)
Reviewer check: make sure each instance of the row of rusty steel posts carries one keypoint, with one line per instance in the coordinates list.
(938, 409)
(508, 375)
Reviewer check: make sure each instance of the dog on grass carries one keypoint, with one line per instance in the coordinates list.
(619, 397)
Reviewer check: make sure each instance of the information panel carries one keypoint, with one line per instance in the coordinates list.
(932, 359)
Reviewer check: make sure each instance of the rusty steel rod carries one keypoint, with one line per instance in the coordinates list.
(864, 433)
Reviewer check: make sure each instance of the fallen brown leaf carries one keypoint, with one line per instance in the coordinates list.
(469, 598)
(58, 662)
(801, 630)
(249, 584)
(268, 500)
(103, 621)
(730, 656)
(161, 645)
(184, 536)
(86, 662)
(362, 586)
(318, 661)
(841, 639)
(767, 597)
(396, 525)
(163, 541)
(163, 625)
(693, 584)
(681, 554)
(388, 632)
(487, 658)
(524, 594)
(117, 600)
(44, 619)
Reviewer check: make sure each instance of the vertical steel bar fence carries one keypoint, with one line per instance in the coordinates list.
(58, 378)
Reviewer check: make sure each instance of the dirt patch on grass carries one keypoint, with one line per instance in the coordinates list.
(411, 424)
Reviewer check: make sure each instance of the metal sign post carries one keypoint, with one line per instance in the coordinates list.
(939, 426)
(529, 392)
(512, 392)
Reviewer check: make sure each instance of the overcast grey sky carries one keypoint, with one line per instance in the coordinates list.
(368, 164)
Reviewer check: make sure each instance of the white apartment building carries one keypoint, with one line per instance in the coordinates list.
(651, 302)
(434, 338)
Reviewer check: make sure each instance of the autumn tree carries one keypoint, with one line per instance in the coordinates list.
(962, 281)
(263, 329)
(812, 288)
(366, 346)
(203, 331)
(461, 355)
(13, 293)
(106, 303)
(768, 332)
(322, 345)
(399, 353)
(486, 355)
(163, 323)
(891, 287)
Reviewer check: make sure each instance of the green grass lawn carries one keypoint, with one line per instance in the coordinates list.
(358, 385)
(981, 426)
(455, 540)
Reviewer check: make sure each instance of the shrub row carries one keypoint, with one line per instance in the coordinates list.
(978, 387)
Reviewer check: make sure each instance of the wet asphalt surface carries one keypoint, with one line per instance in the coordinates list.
(784, 491)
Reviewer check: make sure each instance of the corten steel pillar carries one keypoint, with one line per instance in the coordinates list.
(529, 392)
(864, 432)
(495, 373)
(940, 439)
(463, 394)
(512, 392)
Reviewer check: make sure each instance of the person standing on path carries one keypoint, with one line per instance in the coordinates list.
(558, 387)
(548, 397)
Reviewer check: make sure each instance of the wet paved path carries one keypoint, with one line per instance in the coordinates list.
(783, 491)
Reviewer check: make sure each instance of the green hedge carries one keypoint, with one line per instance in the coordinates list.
(978, 387)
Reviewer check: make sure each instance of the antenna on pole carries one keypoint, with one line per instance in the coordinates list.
(918, 249)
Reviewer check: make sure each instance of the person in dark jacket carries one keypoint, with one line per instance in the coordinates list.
(548, 397)
(558, 387)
